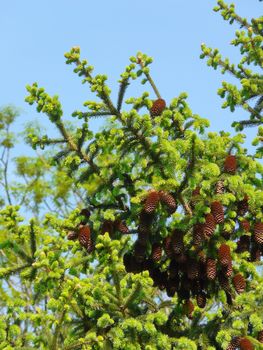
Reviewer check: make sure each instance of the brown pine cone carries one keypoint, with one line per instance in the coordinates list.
(244, 225)
(198, 234)
(224, 254)
(242, 206)
(255, 253)
(243, 244)
(260, 336)
(178, 241)
(85, 237)
(209, 226)
(228, 269)
(211, 269)
(245, 344)
(224, 282)
(156, 254)
(157, 107)
(108, 226)
(234, 344)
(192, 269)
(167, 246)
(230, 165)
(258, 232)
(201, 299)
(217, 211)
(239, 283)
(188, 308)
(121, 226)
(167, 199)
(139, 251)
(151, 201)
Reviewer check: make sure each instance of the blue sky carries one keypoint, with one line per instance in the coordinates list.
(35, 36)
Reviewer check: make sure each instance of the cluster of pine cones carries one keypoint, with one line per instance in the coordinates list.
(202, 267)
(244, 343)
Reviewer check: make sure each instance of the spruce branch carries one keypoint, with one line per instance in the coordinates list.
(146, 72)
(123, 87)
(134, 294)
(33, 244)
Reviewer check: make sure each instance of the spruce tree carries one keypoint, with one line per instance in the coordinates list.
(164, 249)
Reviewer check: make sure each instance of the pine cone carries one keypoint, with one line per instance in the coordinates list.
(234, 343)
(224, 255)
(167, 245)
(130, 263)
(217, 211)
(156, 254)
(224, 282)
(230, 165)
(245, 225)
(195, 195)
(188, 308)
(243, 244)
(157, 107)
(227, 270)
(255, 253)
(151, 201)
(72, 235)
(178, 241)
(242, 206)
(139, 251)
(172, 286)
(86, 213)
(145, 222)
(258, 232)
(239, 283)
(201, 299)
(220, 188)
(173, 269)
(85, 238)
(260, 336)
(209, 226)
(167, 199)
(108, 226)
(121, 226)
(245, 344)
(198, 234)
(192, 269)
(211, 269)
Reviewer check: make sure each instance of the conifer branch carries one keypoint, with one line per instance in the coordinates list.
(134, 294)
(149, 78)
(32, 238)
(123, 87)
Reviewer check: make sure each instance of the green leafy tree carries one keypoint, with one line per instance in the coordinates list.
(163, 251)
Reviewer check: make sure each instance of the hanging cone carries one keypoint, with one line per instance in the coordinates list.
(260, 336)
(234, 344)
(167, 199)
(230, 165)
(245, 344)
(121, 226)
(139, 251)
(209, 226)
(211, 269)
(255, 253)
(244, 225)
(192, 269)
(198, 234)
(130, 263)
(220, 188)
(239, 283)
(217, 211)
(173, 269)
(201, 299)
(108, 226)
(258, 232)
(188, 308)
(243, 244)
(172, 286)
(178, 241)
(151, 201)
(195, 195)
(156, 254)
(227, 270)
(224, 255)
(167, 246)
(72, 235)
(224, 282)
(242, 206)
(157, 107)
(85, 237)
(145, 221)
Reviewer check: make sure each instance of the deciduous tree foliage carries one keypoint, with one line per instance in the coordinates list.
(163, 247)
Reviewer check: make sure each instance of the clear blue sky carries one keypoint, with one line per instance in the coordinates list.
(35, 35)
